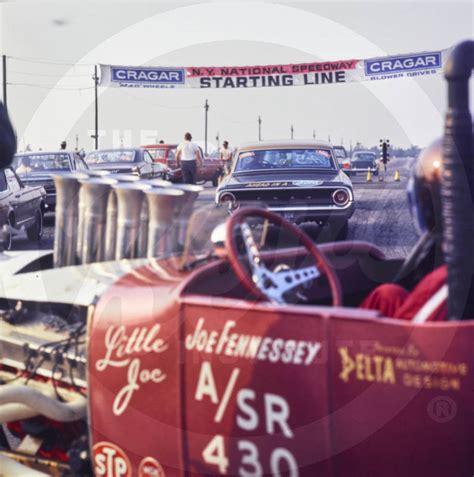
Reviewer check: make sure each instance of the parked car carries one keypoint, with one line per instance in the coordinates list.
(342, 157)
(211, 169)
(37, 169)
(298, 180)
(362, 161)
(129, 161)
(21, 207)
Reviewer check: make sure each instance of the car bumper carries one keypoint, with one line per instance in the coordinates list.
(361, 171)
(320, 214)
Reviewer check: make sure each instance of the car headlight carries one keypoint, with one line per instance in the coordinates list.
(340, 197)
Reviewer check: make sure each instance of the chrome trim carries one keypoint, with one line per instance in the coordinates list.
(304, 208)
(219, 193)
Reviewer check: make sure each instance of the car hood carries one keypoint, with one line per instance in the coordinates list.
(285, 179)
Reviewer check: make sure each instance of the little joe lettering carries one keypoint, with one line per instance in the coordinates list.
(120, 349)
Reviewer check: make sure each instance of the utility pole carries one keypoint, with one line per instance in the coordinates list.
(314, 133)
(96, 90)
(292, 131)
(259, 128)
(77, 142)
(4, 68)
(218, 141)
(206, 109)
(329, 138)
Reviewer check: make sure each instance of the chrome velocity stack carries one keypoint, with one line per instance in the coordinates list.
(163, 207)
(127, 203)
(67, 217)
(94, 199)
(191, 193)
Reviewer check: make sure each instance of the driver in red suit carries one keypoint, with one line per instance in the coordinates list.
(428, 299)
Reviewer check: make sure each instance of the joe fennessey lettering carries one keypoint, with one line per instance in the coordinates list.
(230, 343)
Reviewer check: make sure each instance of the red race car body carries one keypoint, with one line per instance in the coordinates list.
(211, 383)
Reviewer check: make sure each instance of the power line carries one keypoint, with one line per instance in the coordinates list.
(25, 73)
(46, 86)
(48, 62)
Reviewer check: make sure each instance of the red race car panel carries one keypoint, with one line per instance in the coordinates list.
(219, 386)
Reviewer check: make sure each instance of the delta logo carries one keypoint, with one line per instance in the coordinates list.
(148, 75)
(401, 64)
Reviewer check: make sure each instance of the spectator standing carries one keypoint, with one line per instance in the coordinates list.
(226, 157)
(63, 146)
(188, 158)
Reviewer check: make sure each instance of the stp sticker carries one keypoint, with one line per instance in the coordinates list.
(111, 461)
(150, 467)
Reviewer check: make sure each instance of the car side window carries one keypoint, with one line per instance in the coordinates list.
(172, 154)
(12, 180)
(147, 157)
(80, 165)
(3, 182)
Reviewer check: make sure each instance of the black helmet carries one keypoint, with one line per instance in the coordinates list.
(424, 189)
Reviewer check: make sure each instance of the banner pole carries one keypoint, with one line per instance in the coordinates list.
(206, 108)
(96, 87)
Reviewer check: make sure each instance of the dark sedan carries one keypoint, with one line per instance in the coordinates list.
(362, 162)
(37, 169)
(21, 208)
(136, 161)
(299, 180)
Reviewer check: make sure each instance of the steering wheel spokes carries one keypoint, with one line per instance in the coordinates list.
(282, 284)
(276, 284)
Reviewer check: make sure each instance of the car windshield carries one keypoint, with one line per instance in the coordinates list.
(310, 158)
(339, 153)
(364, 156)
(100, 157)
(36, 163)
(157, 154)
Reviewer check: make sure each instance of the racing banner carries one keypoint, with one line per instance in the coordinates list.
(301, 74)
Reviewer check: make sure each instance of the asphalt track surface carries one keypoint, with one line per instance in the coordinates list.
(382, 215)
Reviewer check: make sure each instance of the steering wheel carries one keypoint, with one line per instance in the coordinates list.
(263, 282)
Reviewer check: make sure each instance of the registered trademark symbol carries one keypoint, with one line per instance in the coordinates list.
(442, 409)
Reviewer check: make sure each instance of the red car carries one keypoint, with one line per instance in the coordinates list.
(229, 358)
(211, 169)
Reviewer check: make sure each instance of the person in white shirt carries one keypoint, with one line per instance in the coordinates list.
(188, 157)
(226, 157)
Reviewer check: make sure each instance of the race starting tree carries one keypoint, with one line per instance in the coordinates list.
(384, 145)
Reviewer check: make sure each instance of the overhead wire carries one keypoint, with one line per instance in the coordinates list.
(48, 62)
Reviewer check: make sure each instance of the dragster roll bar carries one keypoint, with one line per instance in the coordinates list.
(457, 185)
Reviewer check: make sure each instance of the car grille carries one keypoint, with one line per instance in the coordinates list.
(287, 196)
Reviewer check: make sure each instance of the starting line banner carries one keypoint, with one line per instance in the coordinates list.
(302, 74)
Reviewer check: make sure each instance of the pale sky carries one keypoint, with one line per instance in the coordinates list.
(45, 40)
